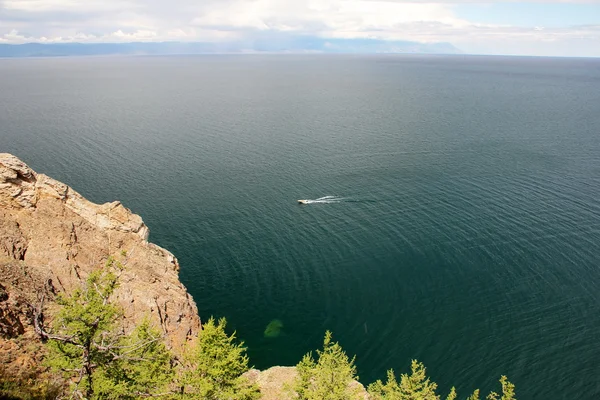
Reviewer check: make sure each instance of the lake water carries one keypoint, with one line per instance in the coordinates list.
(464, 230)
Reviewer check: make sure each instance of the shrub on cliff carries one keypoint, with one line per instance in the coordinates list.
(34, 384)
(215, 367)
(417, 386)
(89, 347)
(141, 368)
(330, 377)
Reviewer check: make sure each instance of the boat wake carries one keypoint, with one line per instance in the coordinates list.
(322, 200)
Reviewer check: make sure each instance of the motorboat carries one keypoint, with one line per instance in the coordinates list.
(302, 201)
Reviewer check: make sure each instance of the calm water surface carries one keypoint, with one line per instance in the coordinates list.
(465, 227)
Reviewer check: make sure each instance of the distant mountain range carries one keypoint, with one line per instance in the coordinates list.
(287, 45)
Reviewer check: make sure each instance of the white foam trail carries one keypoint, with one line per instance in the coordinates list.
(325, 199)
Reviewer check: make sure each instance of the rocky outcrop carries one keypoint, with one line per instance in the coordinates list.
(276, 383)
(55, 234)
(21, 352)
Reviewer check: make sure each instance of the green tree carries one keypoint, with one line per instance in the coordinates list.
(142, 367)
(474, 396)
(215, 366)
(452, 394)
(83, 332)
(508, 391)
(330, 377)
(416, 386)
(91, 349)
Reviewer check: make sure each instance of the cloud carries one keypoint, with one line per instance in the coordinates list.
(497, 1)
(214, 20)
(118, 36)
(342, 17)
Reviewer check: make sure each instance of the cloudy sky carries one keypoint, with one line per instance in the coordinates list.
(559, 27)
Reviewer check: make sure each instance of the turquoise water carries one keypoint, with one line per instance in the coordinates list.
(465, 224)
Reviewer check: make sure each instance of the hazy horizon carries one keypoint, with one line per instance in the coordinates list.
(557, 28)
(169, 52)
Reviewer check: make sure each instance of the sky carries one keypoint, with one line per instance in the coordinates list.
(540, 28)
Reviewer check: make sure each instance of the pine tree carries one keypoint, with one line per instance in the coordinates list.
(330, 377)
(474, 396)
(215, 367)
(83, 332)
(452, 394)
(143, 367)
(508, 390)
(91, 349)
(416, 386)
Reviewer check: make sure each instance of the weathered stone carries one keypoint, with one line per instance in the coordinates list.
(12, 241)
(276, 383)
(7, 174)
(61, 236)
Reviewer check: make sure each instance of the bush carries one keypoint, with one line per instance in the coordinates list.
(92, 351)
(215, 367)
(417, 386)
(330, 377)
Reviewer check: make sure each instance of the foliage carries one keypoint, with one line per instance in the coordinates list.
(417, 386)
(452, 394)
(508, 391)
(83, 331)
(328, 378)
(142, 367)
(30, 386)
(216, 365)
(90, 348)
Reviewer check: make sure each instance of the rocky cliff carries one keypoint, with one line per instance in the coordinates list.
(51, 238)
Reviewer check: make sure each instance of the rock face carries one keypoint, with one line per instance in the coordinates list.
(52, 232)
(275, 383)
(21, 352)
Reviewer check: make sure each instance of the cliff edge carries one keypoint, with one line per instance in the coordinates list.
(51, 237)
